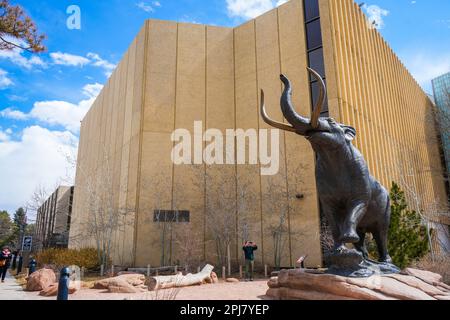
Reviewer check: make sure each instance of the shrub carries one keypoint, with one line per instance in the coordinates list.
(407, 238)
(59, 258)
(440, 264)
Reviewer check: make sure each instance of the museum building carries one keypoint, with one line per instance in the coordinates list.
(177, 74)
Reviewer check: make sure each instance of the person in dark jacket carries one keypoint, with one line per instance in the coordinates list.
(5, 260)
(248, 248)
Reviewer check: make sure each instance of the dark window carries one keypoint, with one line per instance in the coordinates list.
(316, 62)
(171, 216)
(315, 96)
(311, 9)
(314, 34)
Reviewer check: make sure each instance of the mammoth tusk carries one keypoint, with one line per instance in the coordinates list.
(320, 102)
(271, 122)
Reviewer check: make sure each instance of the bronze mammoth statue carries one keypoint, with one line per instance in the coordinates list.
(351, 199)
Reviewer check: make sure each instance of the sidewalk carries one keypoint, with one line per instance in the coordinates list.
(10, 290)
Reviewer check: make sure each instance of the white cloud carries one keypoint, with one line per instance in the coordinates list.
(97, 61)
(425, 66)
(14, 97)
(38, 157)
(144, 6)
(61, 113)
(249, 9)
(375, 15)
(16, 56)
(92, 90)
(92, 59)
(10, 113)
(67, 59)
(4, 136)
(157, 4)
(4, 80)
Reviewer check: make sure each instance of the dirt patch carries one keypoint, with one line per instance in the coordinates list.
(255, 290)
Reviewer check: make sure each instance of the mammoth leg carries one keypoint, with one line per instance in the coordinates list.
(361, 245)
(351, 222)
(380, 237)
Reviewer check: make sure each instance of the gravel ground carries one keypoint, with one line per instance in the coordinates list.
(222, 291)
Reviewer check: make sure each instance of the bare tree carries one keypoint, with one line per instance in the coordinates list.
(189, 242)
(220, 210)
(38, 198)
(278, 189)
(104, 217)
(441, 115)
(432, 212)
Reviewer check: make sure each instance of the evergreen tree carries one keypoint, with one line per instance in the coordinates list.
(408, 238)
(20, 223)
(6, 228)
(17, 30)
(20, 218)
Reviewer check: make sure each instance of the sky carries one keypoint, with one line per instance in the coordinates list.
(44, 97)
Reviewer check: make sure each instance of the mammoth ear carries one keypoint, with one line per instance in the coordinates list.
(350, 133)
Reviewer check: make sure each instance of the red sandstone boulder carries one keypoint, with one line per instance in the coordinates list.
(119, 285)
(412, 285)
(52, 290)
(426, 276)
(40, 280)
(125, 283)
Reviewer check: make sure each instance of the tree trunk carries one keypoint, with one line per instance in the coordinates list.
(178, 280)
(229, 259)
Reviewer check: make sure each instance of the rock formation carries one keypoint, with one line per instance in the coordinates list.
(411, 284)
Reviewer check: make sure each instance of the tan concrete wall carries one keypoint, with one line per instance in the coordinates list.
(52, 217)
(108, 160)
(376, 94)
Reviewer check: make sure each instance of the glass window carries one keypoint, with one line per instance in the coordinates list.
(314, 34)
(311, 9)
(316, 62)
(179, 216)
(315, 96)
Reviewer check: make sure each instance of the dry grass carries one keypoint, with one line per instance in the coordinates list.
(440, 264)
(87, 282)
(21, 279)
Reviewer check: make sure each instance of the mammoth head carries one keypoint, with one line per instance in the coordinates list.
(317, 130)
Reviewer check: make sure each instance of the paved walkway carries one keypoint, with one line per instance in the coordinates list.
(10, 289)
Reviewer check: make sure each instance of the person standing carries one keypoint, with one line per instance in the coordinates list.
(20, 263)
(249, 248)
(5, 260)
(14, 260)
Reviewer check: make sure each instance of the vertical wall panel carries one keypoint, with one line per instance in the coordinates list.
(220, 188)
(156, 173)
(189, 188)
(304, 219)
(268, 70)
(394, 108)
(247, 117)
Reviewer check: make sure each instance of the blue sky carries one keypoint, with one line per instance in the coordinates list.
(43, 97)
